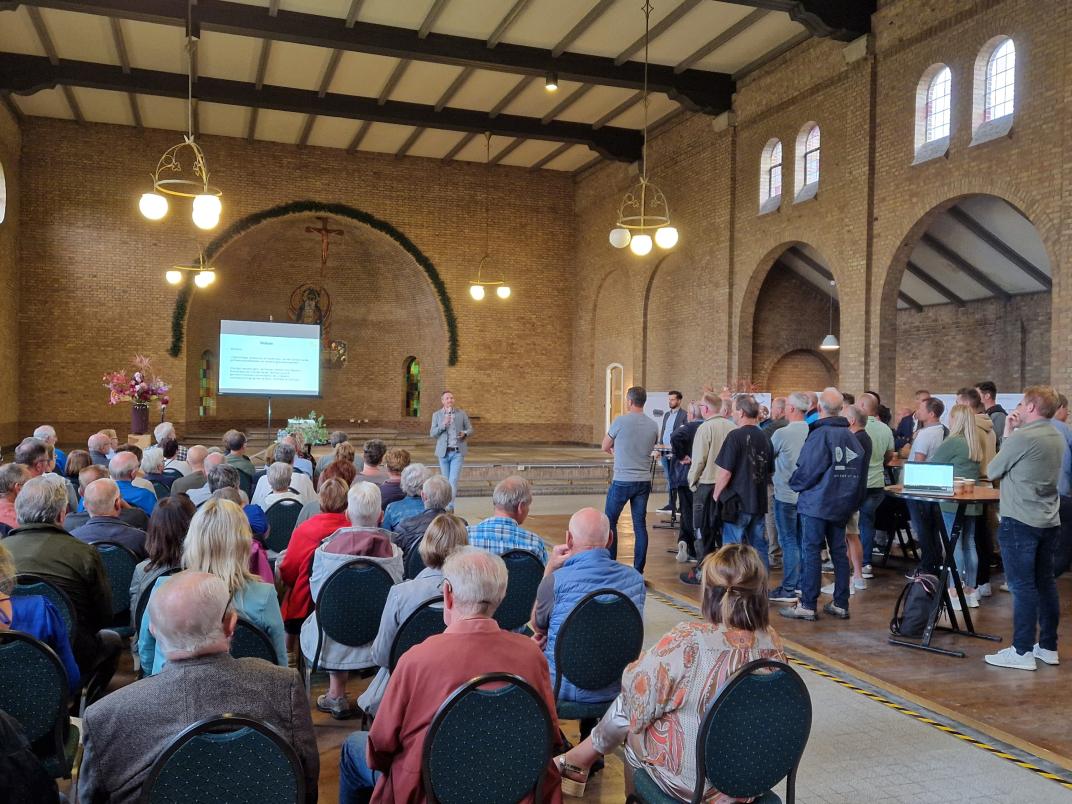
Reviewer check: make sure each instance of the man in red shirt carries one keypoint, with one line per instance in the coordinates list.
(389, 756)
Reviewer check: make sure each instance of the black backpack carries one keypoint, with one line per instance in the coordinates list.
(913, 605)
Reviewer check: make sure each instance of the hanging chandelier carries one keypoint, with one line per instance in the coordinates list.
(170, 177)
(644, 211)
(478, 287)
(204, 274)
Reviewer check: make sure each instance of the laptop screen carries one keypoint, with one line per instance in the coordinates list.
(928, 475)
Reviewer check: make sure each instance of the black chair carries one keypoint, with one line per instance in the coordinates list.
(33, 690)
(245, 482)
(526, 572)
(172, 473)
(250, 641)
(26, 585)
(349, 606)
(601, 635)
(425, 621)
(226, 760)
(735, 752)
(119, 564)
(162, 489)
(413, 562)
(282, 516)
(487, 745)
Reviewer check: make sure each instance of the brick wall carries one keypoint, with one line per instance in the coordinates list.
(10, 146)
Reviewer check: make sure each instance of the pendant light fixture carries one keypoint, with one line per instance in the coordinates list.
(204, 273)
(830, 342)
(644, 211)
(478, 287)
(170, 178)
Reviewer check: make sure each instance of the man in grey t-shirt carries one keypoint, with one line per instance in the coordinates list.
(631, 439)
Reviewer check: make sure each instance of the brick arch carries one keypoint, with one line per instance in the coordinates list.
(644, 320)
(608, 345)
(801, 370)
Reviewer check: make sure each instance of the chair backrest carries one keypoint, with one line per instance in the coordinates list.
(143, 601)
(282, 514)
(119, 565)
(229, 760)
(526, 572)
(425, 621)
(173, 472)
(162, 489)
(250, 641)
(26, 585)
(736, 756)
(33, 688)
(350, 604)
(490, 742)
(413, 561)
(601, 635)
(245, 482)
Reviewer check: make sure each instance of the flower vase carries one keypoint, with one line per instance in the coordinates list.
(139, 418)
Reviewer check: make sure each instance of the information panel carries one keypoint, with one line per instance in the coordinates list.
(265, 358)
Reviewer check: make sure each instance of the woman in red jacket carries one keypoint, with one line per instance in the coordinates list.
(297, 560)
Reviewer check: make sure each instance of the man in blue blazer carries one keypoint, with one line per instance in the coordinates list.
(451, 428)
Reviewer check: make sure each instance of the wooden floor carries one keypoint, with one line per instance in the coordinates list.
(1026, 709)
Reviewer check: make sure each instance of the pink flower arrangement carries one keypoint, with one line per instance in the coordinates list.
(140, 387)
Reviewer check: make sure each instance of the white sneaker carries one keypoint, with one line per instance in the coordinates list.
(682, 553)
(1008, 657)
(868, 573)
(1047, 656)
(859, 583)
(972, 598)
(829, 590)
(984, 590)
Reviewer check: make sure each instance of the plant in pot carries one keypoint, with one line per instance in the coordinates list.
(139, 387)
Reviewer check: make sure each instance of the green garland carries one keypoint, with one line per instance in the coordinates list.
(182, 301)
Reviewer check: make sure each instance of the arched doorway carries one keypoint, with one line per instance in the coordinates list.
(968, 298)
(411, 378)
(614, 403)
(800, 370)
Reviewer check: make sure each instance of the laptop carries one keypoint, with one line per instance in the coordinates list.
(928, 478)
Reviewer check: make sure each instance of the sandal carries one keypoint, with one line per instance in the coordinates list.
(571, 787)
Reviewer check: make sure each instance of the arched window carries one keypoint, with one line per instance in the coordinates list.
(770, 177)
(936, 111)
(206, 380)
(1000, 82)
(807, 163)
(3, 194)
(411, 402)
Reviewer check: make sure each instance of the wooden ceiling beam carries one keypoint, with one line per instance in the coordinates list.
(504, 24)
(961, 264)
(551, 157)
(657, 30)
(586, 22)
(723, 38)
(1000, 246)
(915, 305)
(933, 284)
(844, 20)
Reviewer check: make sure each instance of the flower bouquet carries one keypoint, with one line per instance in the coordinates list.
(139, 387)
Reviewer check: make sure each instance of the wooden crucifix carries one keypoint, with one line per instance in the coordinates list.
(324, 233)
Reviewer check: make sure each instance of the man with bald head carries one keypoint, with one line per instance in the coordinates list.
(103, 505)
(99, 444)
(122, 468)
(197, 477)
(127, 730)
(131, 514)
(581, 565)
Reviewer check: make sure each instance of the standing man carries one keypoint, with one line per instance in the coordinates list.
(787, 443)
(1062, 554)
(777, 418)
(988, 392)
(881, 453)
(681, 443)
(451, 430)
(1027, 466)
(703, 472)
(630, 439)
(908, 424)
(672, 419)
(931, 432)
(745, 463)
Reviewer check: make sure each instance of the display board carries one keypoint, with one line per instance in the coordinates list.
(1007, 401)
(266, 358)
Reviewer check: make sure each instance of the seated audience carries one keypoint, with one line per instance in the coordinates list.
(77, 460)
(374, 452)
(122, 468)
(34, 615)
(396, 460)
(125, 732)
(139, 478)
(693, 662)
(152, 468)
(165, 431)
(47, 433)
(445, 534)
(204, 491)
(341, 470)
(302, 461)
(388, 758)
(40, 546)
(33, 454)
(235, 442)
(131, 514)
(163, 543)
(195, 478)
(104, 525)
(259, 564)
(279, 478)
(13, 477)
(502, 531)
(301, 484)
(412, 478)
(436, 495)
(365, 539)
(170, 448)
(581, 565)
(219, 542)
(296, 564)
(99, 445)
(334, 440)
(24, 774)
(225, 476)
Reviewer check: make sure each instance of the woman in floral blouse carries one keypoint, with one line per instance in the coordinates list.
(667, 691)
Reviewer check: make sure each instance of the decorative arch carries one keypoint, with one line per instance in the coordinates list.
(240, 227)
(645, 324)
(801, 361)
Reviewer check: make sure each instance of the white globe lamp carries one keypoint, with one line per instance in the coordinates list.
(666, 237)
(619, 237)
(503, 291)
(153, 206)
(477, 292)
(640, 245)
(173, 277)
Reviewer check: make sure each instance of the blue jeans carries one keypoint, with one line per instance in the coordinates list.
(750, 529)
(871, 502)
(356, 779)
(785, 516)
(964, 553)
(636, 494)
(1027, 553)
(815, 533)
(451, 467)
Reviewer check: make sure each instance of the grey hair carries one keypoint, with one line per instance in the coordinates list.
(164, 430)
(831, 401)
(279, 475)
(123, 466)
(337, 437)
(437, 492)
(364, 504)
(152, 462)
(798, 400)
(11, 475)
(99, 442)
(204, 606)
(477, 580)
(284, 453)
(224, 476)
(413, 477)
(854, 415)
(511, 493)
(42, 500)
(46, 432)
(30, 451)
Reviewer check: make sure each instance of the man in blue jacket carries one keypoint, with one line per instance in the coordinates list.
(829, 475)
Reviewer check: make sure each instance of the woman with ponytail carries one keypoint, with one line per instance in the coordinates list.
(667, 691)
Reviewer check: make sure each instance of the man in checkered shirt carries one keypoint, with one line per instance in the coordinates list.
(501, 532)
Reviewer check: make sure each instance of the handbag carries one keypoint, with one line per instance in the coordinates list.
(914, 604)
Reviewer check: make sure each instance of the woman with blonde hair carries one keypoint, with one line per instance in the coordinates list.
(963, 448)
(219, 542)
(667, 691)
